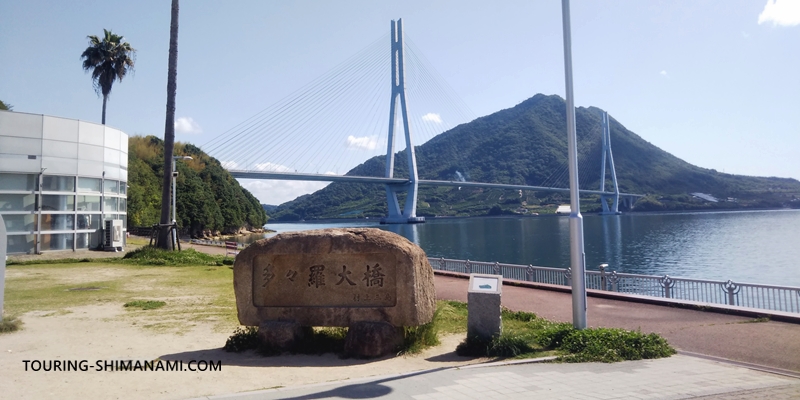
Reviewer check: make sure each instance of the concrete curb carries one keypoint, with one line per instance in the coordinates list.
(659, 301)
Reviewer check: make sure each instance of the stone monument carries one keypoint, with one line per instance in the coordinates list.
(483, 306)
(372, 281)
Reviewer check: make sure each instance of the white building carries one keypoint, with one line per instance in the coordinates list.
(59, 179)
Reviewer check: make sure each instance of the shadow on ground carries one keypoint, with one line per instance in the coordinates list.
(250, 358)
(366, 390)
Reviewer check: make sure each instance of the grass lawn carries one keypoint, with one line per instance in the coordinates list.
(190, 293)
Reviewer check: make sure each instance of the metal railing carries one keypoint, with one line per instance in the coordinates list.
(767, 297)
(218, 243)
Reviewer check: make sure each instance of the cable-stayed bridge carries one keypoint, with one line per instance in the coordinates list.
(337, 121)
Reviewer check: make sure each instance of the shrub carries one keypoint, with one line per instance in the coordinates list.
(149, 255)
(551, 335)
(523, 316)
(611, 345)
(417, 338)
(145, 304)
(504, 345)
(10, 324)
(242, 339)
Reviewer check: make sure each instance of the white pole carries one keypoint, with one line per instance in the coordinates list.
(577, 258)
(3, 248)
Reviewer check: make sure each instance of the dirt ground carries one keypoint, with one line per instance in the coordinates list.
(100, 333)
(105, 332)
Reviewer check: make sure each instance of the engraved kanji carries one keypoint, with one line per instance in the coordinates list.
(374, 276)
(267, 275)
(344, 277)
(316, 278)
(291, 275)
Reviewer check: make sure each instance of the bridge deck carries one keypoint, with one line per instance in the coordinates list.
(297, 176)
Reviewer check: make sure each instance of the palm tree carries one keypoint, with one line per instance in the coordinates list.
(5, 106)
(169, 128)
(109, 59)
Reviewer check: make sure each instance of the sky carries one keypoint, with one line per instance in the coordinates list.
(713, 82)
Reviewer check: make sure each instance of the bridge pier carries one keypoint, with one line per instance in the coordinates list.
(607, 157)
(409, 213)
(610, 204)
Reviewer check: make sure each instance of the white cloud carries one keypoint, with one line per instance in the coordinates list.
(187, 125)
(268, 166)
(278, 192)
(781, 12)
(366, 142)
(663, 72)
(432, 117)
(229, 164)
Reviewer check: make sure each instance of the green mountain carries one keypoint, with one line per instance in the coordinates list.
(527, 144)
(209, 201)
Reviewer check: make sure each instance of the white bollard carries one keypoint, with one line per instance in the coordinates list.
(3, 247)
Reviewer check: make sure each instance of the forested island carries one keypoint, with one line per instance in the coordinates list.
(209, 201)
(526, 145)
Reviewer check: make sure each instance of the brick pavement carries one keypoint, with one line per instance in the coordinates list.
(677, 377)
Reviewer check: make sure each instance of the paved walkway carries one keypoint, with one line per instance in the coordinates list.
(770, 344)
(677, 377)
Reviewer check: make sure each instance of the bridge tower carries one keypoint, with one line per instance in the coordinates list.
(609, 158)
(409, 213)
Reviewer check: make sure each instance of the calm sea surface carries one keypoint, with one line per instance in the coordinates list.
(752, 246)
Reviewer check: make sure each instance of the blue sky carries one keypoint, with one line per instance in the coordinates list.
(713, 82)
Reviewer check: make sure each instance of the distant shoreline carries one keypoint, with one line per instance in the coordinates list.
(547, 215)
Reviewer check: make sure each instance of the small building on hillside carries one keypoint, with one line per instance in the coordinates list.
(60, 179)
(563, 209)
(705, 196)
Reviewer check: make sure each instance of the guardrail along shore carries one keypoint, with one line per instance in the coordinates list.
(767, 297)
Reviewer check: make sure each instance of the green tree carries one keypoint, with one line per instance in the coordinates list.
(204, 190)
(109, 59)
(6, 106)
(169, 127)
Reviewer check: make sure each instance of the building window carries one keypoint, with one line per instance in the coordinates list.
(111, 187)
(58, 222)
(89, 185)
(18, 202)
(57, 241)
(22, 182)
(88, 221)
(58, 183)
(88, 203)
(57, 202)
(20, 243)
(20, 222)
(111, 204)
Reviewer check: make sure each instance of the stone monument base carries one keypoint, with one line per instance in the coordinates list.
(280, 336)
(372, 339)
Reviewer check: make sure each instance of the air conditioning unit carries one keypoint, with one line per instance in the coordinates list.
(113, 235)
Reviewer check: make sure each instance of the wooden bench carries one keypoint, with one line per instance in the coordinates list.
(231, 248)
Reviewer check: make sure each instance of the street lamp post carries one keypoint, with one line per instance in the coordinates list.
(577, 257)
(174, 175)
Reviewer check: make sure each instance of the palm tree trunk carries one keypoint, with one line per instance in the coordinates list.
(105, 98)
(169, 127)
